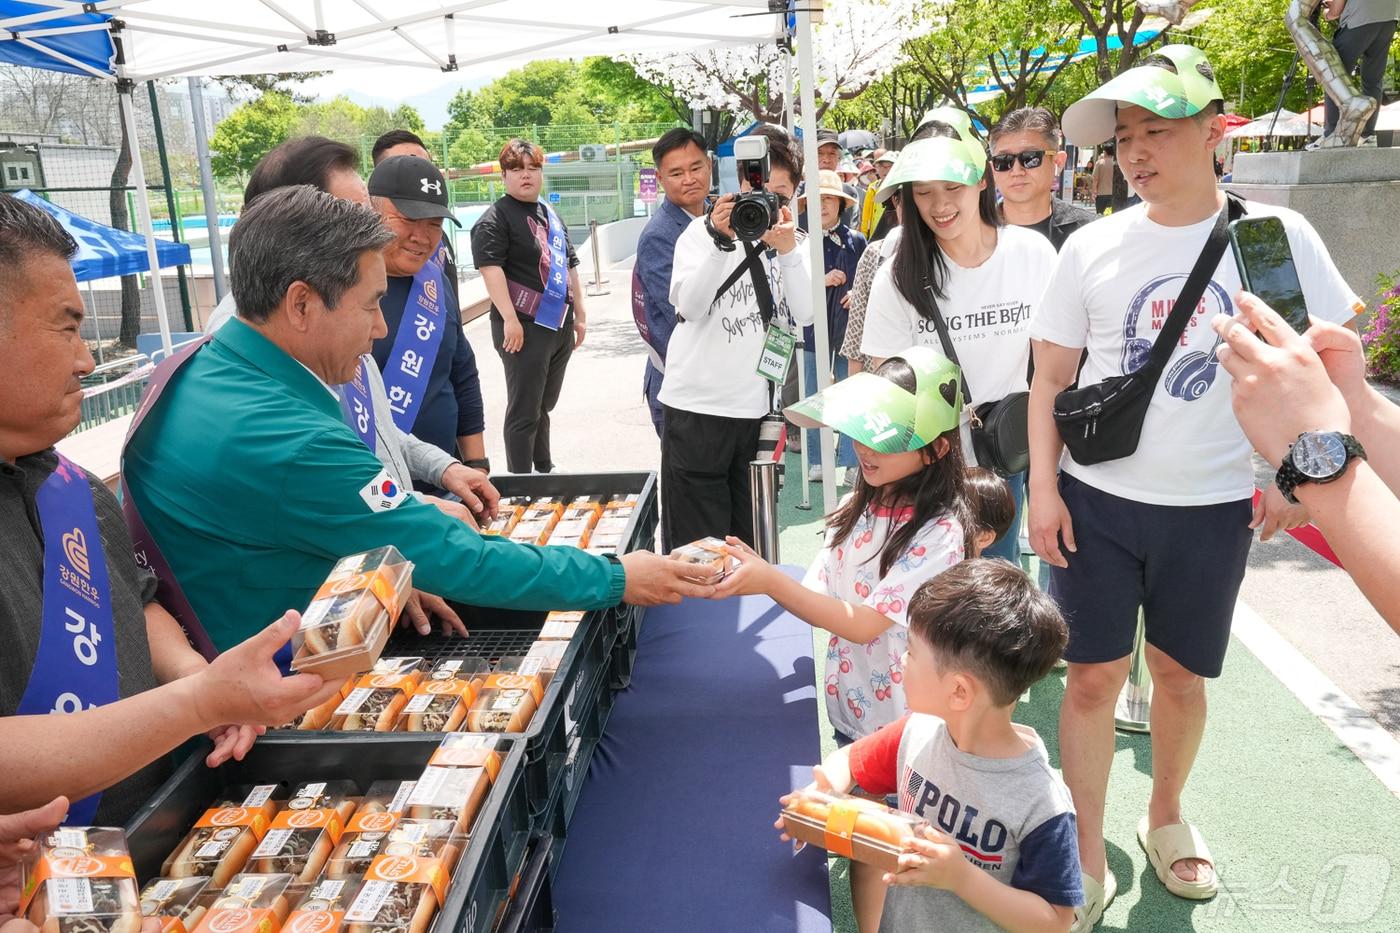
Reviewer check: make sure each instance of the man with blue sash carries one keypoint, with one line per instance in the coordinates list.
(428, 366)
(250, 481)
(83, 635)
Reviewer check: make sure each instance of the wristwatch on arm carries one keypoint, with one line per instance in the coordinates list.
(1316, 457)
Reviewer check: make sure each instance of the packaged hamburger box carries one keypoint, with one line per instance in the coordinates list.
(400, 894)
(380, 810)
(441, 700)
(224, 837)
(560, 626)
(251, 903)
(584, 506)
(379, 697)
(505, 710)
(857, 828)
(549, 509)
(320, 717)
(453, 794)
(414, 838)
(463, 750)
(707, 552)
(348, 621)
(551, 655)
(321, 909)
(508, 513)
(303, 834)
(532, 531)
(611, 525)
(80, 880)
(517, 673)
(178, 903)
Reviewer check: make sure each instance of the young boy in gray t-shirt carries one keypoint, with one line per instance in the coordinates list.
(1001, 852)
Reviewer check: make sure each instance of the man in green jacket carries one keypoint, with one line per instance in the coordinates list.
(251, 483)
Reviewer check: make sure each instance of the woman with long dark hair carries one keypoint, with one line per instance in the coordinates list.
(958, 263)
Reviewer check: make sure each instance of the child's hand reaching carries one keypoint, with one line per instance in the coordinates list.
(750, 577)
(819, 782)
(933, 860)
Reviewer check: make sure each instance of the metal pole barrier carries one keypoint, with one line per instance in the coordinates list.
(96, 328)
(596, 286)
(806, 503)
(206, 185)
(1134, 710)
(763, 487)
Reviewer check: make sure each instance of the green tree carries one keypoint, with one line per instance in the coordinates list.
(406, 117)
(255, 127)
(632, 98)
(1249, 45)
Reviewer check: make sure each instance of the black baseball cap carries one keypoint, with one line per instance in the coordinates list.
(415, 186)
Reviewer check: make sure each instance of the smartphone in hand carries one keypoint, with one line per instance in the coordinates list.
(1265, 261)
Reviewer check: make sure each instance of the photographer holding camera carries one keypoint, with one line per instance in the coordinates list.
(739, 284)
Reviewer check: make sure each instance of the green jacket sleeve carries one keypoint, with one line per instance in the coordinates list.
(325, 506)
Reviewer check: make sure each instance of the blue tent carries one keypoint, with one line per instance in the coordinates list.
(105, 251)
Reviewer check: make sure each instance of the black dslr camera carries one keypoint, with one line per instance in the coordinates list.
(756, 211)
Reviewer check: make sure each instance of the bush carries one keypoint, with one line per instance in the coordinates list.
(1382, 335)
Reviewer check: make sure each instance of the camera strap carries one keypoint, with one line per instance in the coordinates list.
(753, 263)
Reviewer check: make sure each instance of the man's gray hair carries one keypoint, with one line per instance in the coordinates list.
(26, 230)
(299, 234)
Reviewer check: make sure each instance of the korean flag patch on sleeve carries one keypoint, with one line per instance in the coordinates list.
(384, 493)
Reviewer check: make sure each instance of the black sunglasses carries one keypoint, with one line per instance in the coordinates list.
(1031, 158)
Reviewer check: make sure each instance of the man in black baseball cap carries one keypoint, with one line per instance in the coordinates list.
(429, 369)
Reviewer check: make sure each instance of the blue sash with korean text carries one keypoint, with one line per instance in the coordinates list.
(75, 667)
(416, 346)
(556, 290)
(356, 406)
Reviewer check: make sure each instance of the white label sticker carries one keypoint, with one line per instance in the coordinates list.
(314, 791)
(401, 796)
(531, 667)
(353, 701)
(259, 795)
(212, 849)
(272, 843)
(163, 889)
(348, 565)
(361, 849)
(420, 702)
(70, 896)
(328, 890)
(316, 613)
(248, 888)
(383, 493)
(70, 838)
(429, 789)
(369, 901)
(411, 832)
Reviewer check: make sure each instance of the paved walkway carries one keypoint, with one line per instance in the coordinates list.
(1303, 831)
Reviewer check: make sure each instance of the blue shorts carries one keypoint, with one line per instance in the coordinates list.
(1183, 565)
(842, 740)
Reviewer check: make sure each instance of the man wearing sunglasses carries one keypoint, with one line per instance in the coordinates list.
(1026, 157)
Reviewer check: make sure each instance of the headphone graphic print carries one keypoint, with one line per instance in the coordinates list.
(1189, 377)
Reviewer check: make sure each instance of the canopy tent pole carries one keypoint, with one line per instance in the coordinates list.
(206, 184)
(143, 208)
(806, 73)
(806, 502)
(96, 328)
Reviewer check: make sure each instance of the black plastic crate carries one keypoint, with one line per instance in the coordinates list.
(624, 657)
(531, 910)
(485, 874)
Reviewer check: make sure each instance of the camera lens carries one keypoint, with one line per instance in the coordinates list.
(754, 213)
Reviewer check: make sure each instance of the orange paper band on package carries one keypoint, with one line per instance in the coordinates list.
(81, 866)
(224, 817)
(529, 682)
(442, 688)
(401, 682)
(376, 581)
(410, 869)
(376, 822)
(840, 825)
(314, 921)
(238, 920)
(310, 820)
(459, 757)
(172, 925)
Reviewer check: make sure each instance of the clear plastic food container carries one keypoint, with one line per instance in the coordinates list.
(857, 828)
(80, 880)
(224, 838)
(345, 627)
(441, 700)
(303, 834)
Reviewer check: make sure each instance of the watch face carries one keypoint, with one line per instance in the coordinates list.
(1319, 456)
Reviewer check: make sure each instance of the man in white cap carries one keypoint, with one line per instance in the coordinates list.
(1161, 525)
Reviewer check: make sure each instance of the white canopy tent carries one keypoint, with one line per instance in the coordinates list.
(129, 41)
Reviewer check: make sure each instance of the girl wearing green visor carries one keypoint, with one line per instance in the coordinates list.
(905, 521)
(960, 282)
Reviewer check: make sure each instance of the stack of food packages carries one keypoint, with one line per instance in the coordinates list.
(459, 694)
(597, 524)
(326, 859)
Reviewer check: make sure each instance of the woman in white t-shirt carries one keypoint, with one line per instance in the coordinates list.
(955, 259)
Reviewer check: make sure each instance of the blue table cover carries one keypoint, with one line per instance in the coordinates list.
(674, 829)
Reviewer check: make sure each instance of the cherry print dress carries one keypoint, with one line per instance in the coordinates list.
(864, 682)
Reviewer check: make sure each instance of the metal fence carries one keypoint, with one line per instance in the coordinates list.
(113, 390)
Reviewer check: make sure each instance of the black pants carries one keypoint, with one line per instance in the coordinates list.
(534, 377)
(1370, 45)
(705, 477)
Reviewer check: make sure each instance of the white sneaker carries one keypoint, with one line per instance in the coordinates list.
(814, 473)
(1368, 142)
